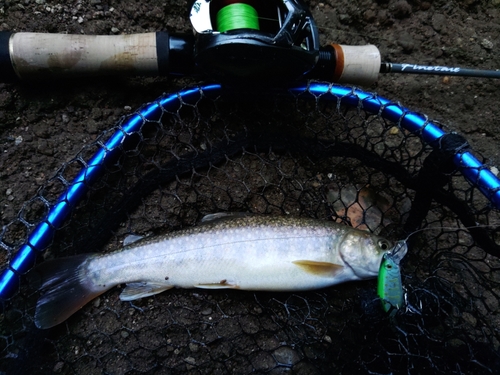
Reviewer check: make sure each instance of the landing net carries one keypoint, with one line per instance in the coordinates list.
(303, 152)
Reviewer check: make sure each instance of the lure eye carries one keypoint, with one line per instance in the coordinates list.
(384, 245)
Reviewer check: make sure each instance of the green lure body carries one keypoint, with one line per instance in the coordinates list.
(390, 285)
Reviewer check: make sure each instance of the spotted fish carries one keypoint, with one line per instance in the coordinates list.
(227, 251)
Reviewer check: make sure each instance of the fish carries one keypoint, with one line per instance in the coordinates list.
(225, 251)
(390, 285)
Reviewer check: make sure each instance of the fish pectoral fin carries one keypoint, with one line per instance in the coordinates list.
(138, 290)
(319, 268)
(223, 284)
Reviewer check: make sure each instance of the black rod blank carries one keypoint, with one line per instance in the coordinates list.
(437, 70)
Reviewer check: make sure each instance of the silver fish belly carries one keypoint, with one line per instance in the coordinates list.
(240, 252)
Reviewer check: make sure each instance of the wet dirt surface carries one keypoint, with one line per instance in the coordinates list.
(44, 124)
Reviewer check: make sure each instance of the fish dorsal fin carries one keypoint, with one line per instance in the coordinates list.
(132, 238)
(220, 216)
(319, 268)
(138, 290)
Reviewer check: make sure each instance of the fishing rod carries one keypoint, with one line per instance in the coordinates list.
(438, 70)
(234, 41)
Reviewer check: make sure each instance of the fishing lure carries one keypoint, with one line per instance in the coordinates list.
(390, 285)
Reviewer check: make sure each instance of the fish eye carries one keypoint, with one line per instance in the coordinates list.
(384, 245)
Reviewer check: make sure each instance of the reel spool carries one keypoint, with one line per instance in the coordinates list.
(237, 16)
(268, 41)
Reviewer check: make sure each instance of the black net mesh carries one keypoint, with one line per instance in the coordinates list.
(276, 156)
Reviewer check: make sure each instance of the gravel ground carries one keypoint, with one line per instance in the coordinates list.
(45, 123)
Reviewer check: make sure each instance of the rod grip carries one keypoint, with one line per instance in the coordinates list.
(358, 65)
(40, 55)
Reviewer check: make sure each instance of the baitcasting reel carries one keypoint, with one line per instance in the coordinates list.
(272, 41)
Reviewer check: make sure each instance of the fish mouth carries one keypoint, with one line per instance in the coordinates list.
(399, 251)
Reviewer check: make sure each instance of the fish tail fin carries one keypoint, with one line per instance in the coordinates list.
(66, 289)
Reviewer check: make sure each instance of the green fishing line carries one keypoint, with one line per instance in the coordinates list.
(237, 16)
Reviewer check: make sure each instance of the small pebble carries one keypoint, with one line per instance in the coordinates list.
(58, 367)
(190, 360)
(206, 311)
(394, 130)
(286, 356)
(487, 44)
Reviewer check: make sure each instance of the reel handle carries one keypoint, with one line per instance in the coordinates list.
(32, 56)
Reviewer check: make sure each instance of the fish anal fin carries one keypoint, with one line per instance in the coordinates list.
(319, 268)
(137, 290)
(223, 284)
